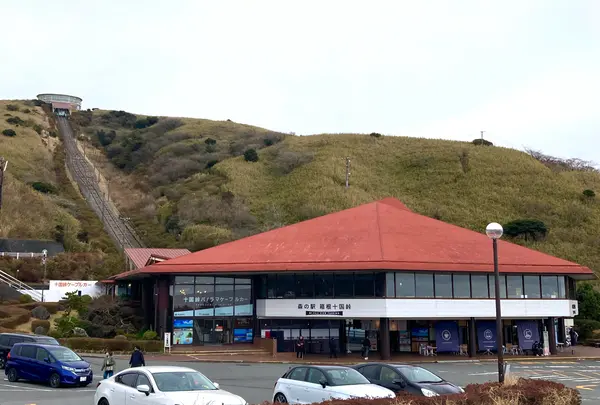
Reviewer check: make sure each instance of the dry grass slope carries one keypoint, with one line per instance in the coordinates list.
(300, 177)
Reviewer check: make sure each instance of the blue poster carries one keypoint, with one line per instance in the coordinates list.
(420, 332)
(528, 332)
(486, 335)
(242, 335)
(446, 336)
(183, 323)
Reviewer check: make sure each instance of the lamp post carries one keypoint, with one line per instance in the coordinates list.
(494, 232)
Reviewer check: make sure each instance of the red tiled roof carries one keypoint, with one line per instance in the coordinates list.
(381, 235)
(140, 256)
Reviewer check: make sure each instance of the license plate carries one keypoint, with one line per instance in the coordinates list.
(82, 379)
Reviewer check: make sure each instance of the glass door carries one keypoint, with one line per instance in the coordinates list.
(223, 333)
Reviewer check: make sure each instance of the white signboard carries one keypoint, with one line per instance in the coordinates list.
(167, 341)
(58, 288)
(546, 344)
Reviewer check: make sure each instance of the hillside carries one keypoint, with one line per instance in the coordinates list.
(39, 201)
(185, 182)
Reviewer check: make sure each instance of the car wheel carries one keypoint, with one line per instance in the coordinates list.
(103, 401)
(280, 398)
(54, 380)
(2, 362)
(12, 375)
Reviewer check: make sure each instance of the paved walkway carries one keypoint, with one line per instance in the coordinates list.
(238, 356)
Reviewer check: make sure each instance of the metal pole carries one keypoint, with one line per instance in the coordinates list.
(347, 172)
(499, 327)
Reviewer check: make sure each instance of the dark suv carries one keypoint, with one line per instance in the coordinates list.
(8, 340)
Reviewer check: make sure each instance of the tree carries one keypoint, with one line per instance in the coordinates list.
(589, 302)
(589, 194)
(526, 228)
(250, 155)
(9, 132)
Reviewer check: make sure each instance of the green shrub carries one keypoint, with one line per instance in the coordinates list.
(25, 298)
(210, 141)
(9, 132)
(528, 229)
(13, 316)
(589, 193)
(483, 142)
(375, 134)
(115, 345)
(12, 107)
(586, 327)
(250, 155)
(15, 121)
(27, 111)
(38, 128)
(38, 322)
(149, 335)
(42, 187)
(52, 307)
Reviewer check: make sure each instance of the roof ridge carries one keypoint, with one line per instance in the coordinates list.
(378, 225)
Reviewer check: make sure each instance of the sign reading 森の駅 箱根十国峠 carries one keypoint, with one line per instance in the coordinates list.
(324, 309)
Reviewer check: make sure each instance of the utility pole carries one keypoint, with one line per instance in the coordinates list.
(482, 136)
(347, 172)
(44, 257)
(3, 165)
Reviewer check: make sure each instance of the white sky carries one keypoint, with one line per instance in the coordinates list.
(525, 71)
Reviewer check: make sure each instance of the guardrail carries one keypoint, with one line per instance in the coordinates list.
(20, 286)
(21, 255)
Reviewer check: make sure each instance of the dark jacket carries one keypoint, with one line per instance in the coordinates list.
(366, 342)
(137, 359)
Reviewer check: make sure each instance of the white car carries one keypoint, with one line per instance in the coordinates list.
(162, 385)
(312, 384)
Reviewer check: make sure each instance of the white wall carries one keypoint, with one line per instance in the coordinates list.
(58, 289)
(425, 309)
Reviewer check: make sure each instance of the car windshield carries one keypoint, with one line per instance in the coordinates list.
(64, 354)
(345, 376)
(48, 341)
(419, 375)
(182, 381)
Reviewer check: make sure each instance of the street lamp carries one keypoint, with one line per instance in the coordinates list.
(494, 232)
(44, 258)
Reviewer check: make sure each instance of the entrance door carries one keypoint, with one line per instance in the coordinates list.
(222, 330)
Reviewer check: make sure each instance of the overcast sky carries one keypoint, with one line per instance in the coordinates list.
(527, 72)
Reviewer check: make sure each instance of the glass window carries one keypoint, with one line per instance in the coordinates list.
(204, 300)
(183, 300)
(423, 285)
(416, 374)
(380, 284)
(64, 354)
(272, 286)
(364, 285)
(315, 376)
(243, 299)
(492, 283)
(305, 286)
(514, 286)
(177, 381)
(243, 281)
(443, 286)
(128, 379)
(42, 354)
(286, 286)
(462, 286)
(344, 285)
(261, 292)
(143, 380)
(371, 372)
(532, 286)
(184, 280)
(390, 289)
(205, 280)
(405, 284)
(297, 374)
(562, 291)
(224, 280)
(388, 375)
(479, 286)
(224, 299)
(28, 351)
(345, 376)
(324, 285)
(549, 287)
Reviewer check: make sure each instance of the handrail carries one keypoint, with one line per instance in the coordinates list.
(18, 285)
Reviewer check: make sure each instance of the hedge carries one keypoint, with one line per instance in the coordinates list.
(52, 307)
(522, 392)
(115, 345)
(13, 316)
(39, 322)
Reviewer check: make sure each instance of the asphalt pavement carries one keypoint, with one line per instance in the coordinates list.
(254, 382)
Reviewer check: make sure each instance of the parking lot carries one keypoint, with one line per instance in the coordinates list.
(254, 382)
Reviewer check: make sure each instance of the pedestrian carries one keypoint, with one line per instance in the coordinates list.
(300, 348)
(137, 358)
(573, 336)
(108, 366)
(332, 348)
(366, 347)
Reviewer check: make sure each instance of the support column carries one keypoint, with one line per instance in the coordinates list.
(472, 338)
(163, 305)
(551, 335)
(562, 330)
(384, 337)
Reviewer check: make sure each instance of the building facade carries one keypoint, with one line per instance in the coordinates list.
(380, 271)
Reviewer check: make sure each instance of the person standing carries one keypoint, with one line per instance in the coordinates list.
(366, 347)
(108, 366)
(573, 335)
(332, 348)
(137, 358)
(300, 348)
